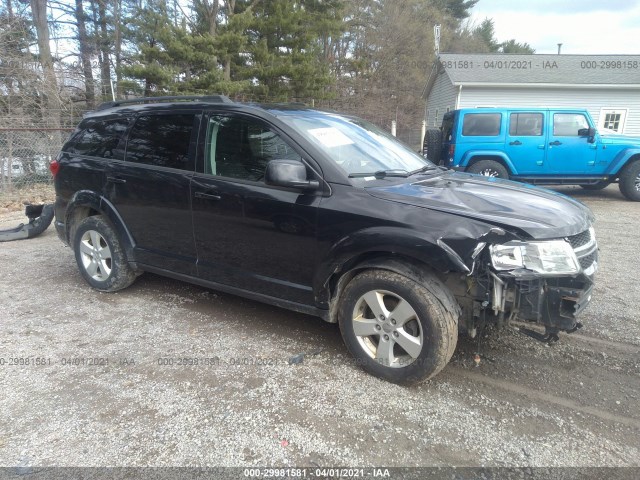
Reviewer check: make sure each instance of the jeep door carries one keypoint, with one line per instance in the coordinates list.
(525, 142)
(568, 152)
(150, 188)
(250, 235)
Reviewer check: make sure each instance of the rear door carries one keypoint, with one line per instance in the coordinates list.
(525, 142)
(150, 188)
(569, 153)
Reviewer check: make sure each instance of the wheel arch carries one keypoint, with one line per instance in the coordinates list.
(627, 157)
(502, 160)
(407, 266)
(86, 203)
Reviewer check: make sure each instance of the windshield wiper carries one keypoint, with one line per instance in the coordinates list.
(426, 168)
(381, 174)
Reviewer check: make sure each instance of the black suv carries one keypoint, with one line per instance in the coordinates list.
(323, 214)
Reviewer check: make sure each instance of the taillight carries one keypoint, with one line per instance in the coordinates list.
(54, 168)
(452, 149)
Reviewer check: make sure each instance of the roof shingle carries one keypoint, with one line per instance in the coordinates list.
(542, 69)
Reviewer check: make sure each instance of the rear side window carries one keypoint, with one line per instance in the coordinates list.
(525, 124)
(99, 138)
(481, 124)
(162, 140)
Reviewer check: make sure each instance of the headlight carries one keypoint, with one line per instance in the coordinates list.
(551, 257)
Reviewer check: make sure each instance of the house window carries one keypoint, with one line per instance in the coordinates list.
(612, 120)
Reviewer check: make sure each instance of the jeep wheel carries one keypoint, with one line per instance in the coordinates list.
(489, 168)
(597, 186)
(398, 329)
(100, 257)
(629, 182)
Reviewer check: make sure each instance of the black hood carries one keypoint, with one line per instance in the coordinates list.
(538, 212)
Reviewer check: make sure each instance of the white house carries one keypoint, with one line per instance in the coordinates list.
(608, 86)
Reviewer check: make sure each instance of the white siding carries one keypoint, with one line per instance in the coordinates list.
(443, 95)
(591, 99)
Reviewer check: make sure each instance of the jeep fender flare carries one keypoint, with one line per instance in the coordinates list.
(97, 203)
(622, 159)
(502, 157)
(371, 245)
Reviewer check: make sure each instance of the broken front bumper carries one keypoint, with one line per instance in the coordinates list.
(554, 302)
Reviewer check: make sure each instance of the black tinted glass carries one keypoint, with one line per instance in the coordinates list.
(99, 138)
(161, 140)
(241, 148)
(481, 124)
(525, 124)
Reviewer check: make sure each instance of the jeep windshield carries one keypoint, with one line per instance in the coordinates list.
(360, 148)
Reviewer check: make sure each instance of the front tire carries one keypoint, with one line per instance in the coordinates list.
(629, 182)
(396, 328)
(489, 168)
(100, 257)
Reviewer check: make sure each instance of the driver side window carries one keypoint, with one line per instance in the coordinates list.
(240, 148)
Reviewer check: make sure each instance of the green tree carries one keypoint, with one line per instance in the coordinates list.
(511, 46)
(285, 56)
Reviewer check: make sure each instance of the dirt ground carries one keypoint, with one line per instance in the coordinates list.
(169, 374)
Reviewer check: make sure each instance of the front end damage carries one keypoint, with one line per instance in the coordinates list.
(493, 292)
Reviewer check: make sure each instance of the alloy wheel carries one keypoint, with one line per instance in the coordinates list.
(95, 255)
(387, 328)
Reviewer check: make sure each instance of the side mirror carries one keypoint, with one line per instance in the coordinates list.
(588, 132)
(290, 174)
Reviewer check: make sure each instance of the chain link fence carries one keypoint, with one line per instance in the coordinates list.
(25, 154)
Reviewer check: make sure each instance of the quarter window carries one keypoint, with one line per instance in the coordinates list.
(99, 138)
(162, 140)
(568, 124)
(241, 148)
(481, 124)
(525, 124)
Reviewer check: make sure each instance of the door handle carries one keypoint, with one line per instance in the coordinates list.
(555, 144)
(116, 180)
(517, 142)
(207, 196)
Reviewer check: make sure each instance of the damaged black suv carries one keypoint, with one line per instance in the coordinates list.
(323, 214)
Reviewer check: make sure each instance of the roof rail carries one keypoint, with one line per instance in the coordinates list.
(193, 98)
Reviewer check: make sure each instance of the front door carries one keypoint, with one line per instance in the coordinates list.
(249, 235)
(568, 152)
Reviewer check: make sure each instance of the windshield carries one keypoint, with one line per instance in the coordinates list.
(357, 146)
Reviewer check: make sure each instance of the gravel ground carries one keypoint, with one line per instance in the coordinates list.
(105, 386)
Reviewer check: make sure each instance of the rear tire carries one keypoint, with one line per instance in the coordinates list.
(629, 182)
(432, 147)
(396, 328)
(489, 168)
(100, 257)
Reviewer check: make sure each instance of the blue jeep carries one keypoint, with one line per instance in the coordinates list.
(541, 146)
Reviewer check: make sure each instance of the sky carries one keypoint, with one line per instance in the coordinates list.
(582, 26)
